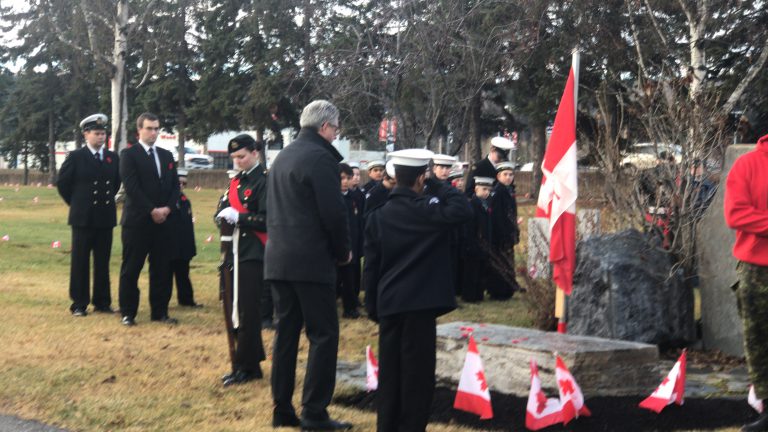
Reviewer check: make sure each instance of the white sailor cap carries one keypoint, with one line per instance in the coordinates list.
(93, 122)
(443, 160)
(390, 169)
(354, 164)
(502, 166)
(502, 143)
(455, 173)
(411, 157)
(374, 163)
(483, 181)
(181, 172)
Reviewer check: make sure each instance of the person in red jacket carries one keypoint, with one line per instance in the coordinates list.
(746, 211)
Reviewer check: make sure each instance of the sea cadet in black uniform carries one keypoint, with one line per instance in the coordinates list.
(407, 243)
(347, 282)
(359, 198)
(375, 170)
(88, 181)
(244, 205)
(505, 231)
(478, 234)
(379, 194)
(456, 177)
(500, 148)
(183, 249)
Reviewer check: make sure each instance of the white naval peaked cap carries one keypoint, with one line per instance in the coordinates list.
(94, 121)
(483, 181)
(443, 159)
(502, 143)
(501, 166)
(390, 169)
(373, 164)
(354, 165)
(411, 157)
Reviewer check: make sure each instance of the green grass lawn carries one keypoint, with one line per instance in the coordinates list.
(92, 374)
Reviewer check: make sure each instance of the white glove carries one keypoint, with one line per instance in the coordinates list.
(229, 214)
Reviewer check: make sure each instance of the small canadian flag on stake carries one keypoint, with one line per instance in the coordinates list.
(6, 237)
(371, 370)
(209, 239)
(540, 411)
(571, 398)
(672, 389)
(473, 394)
(55, 244)
(753, 401)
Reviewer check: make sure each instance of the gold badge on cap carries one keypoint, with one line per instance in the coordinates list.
(232, 145)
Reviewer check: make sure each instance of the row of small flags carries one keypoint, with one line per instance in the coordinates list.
(56, 244)
(473, 394)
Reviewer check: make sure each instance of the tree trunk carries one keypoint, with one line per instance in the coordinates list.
(51, 149)
(181, 132)
(475, 146)
(538, 147)
(26, 163)
(118, 84)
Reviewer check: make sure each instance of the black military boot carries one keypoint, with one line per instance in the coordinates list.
(761, 424)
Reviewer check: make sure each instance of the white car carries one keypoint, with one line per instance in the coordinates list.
(192, 159)
(643, 156)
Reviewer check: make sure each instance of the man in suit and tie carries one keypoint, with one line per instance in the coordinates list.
(88, 181)
(151, 189)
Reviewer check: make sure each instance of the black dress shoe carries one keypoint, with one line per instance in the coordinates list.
(285, 420)
(761, 424)
(166, 320)
(241, 377)
(191, 305)
(106, 309)
(128, 321)
(352, 314)
(79, 312)
(324, 425)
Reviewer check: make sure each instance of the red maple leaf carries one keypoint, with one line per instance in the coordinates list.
(664, 382)
(481, 377)
(567, 386)
(542, 402)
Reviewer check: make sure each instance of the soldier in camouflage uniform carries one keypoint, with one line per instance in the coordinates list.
(746, 211)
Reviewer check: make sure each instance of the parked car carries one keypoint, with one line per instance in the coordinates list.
(192, 159)
(643, 156)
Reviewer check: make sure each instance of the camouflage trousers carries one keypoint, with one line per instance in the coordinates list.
(753, 304)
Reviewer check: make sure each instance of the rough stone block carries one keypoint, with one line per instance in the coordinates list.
(538, 248)
(600, 366)
(721, 325)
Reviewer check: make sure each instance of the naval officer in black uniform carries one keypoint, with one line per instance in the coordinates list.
(183, 247)
(88, 181)
(500, 148)
(407, 243)
(244, 205)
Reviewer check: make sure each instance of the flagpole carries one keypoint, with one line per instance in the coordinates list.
(560, 298)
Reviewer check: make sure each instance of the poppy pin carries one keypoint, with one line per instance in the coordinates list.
(183, 197)
(247, 192)
(170, 166)
(109, 159)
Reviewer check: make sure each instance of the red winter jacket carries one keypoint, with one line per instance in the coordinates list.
(746, 204)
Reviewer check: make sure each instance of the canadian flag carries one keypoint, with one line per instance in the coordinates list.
(371, 370)
(541, 411)
(473, 394)
(6, 237)
(55, 244)
(571, 398)
(209, 238)
(753, 401)
(559, 185)
(671, 389)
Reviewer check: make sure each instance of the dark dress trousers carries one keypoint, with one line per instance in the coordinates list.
(407, 243)
(141, 236)
(88, 185)
(505, 236)
(308, 236)
(484, 168)
(183, 249)
(252, 191)
(348, 276)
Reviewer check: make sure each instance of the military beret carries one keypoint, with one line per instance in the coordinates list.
(502, 166)
(483, 181)
(94, 122)
(443, 160)
(242, 141)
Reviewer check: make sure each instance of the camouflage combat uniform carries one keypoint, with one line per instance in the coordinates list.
(752, 294)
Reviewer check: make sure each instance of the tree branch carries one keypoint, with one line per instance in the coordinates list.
(748, 78)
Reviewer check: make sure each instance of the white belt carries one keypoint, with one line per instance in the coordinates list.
(235, 285)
